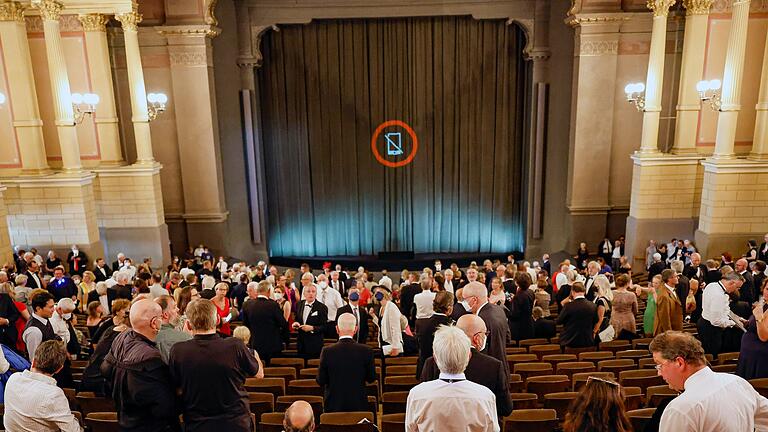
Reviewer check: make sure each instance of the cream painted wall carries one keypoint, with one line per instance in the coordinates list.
(9, 145)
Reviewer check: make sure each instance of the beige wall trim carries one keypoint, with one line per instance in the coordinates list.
(664, 159)
(205, 217)
(133, 170)
(735, 167)
(59, 179)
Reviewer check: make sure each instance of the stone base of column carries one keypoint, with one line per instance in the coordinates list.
(587, 225)
(666, 195)
(130, 215)
(53, 212)
(734, 206)
(6, 252)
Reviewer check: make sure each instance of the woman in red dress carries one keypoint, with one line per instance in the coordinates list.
(221, 302)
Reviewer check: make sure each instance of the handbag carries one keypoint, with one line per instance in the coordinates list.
(607, 335)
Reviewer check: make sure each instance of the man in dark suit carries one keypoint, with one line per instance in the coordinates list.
(758, 276)
(542, 327)
(578, 318)
(101, 270)
(360, 314)
(264, 318)
(119, 263)
(77, 261)
(123, 287)
(695, 270)
(344, 369)
(545, 264)
(476, 296)
(33, 276)
(762, 251)
(747, 290)
(95, 294)
(407, 293)
(482, 369)
(311, 319)
(593, 269)
(657, 267)
(61, 286)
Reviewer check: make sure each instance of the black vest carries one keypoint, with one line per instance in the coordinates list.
(45, 329)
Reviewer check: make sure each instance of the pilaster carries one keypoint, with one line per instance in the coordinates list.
(760, 141)
(6, 252)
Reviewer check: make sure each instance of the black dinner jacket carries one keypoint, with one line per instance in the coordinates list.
(484, 370)
(690, 272)
(362, 330)
(344, 369)
(760, 255)
(100, 277)
(747, 290)
(425, 333)
(311, 343)
(713, 276)
(94, 296)
(406, 300)
(264, 318)
(31, 283)
(682, 288)
(578, 319)
(496, 322)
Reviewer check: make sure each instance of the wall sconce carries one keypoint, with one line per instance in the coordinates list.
(709, 91)
(2, 98)
(636, 94)
(156, 105)
(84, 104)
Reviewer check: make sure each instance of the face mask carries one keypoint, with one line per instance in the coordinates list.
(354, 296)
(466, 305)
(278, 296)
(485, 342)
(379, 296)
(67, 316)
(322, 285)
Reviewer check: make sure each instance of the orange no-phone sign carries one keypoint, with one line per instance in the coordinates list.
(414, 144)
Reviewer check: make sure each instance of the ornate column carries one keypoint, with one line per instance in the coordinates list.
(100, 70)
(732, 76)
(130, 23)
(760, 141)
(655, 78)
(6, 253)
(21, 89)
(57, 70)
(694, 46)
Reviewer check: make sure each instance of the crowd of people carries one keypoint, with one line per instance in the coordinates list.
(149, 332)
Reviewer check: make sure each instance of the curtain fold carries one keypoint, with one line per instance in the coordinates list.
(460, 83)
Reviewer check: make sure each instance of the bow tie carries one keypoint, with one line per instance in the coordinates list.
(308, 305)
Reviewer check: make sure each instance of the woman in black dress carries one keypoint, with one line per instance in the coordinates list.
(442, 306)
(753, 358)
(521, 310)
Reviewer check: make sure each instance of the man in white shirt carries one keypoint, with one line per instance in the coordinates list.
(711, 401)
(61, 315)
(332, 300)
(156, 289)
(336, 283)
(385, 280)
(423, 301)
(716, 317)
(593, 269)
(33, 402)
(451, 403)
(448, 285)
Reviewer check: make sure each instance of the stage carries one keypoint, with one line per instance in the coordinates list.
(373, 263)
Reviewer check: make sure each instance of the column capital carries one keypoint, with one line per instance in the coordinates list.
(660, 7)
(697, 7)
(94, 22)
(130, 21)
(12, 11)
(49, 9)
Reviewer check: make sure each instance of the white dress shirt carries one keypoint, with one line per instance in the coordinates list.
(331, 299)
(423, 301)
(715, 305)
(389, 325)
(386, 281)
(33, 403)
(32, 336)
(104, 300)
(157, 290)
(460, 406)
(448, 285)
(60, 327)
(716, 402)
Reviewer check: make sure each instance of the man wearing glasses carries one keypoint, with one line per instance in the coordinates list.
(711, 401)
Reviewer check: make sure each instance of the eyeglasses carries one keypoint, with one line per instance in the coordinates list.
(486, 333)
(661, 365)
(603, 380)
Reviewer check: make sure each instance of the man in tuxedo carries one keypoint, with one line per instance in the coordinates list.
(33, 275)
(605, 249)
(77, 261)
(472, 275)
(747, 290)
(758, 276)
(344, 369)
(695, 270)
(482, 368)
(448, 284)
(713, 272)
(123, 287)
(407, 294)
(657, 266)
(683, 283)
(101, 270)
(311, 319)
(264, 318)
(669, 307)
(117, 265)
(593, 269)
(578, 318)
(360, 314)
(762, 251)
(102, 295)
(476, 297)
(546, 265)
(61, 286)
(337, 283)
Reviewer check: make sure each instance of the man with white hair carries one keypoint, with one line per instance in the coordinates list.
(448, 284)
(656, 267)
(593, 269)
(649, 251)
(62, 314)
(332, 300)
(122, 287)
(344, 369)
(476, 301)
(118, 264)
(695, 270)
(451, 402)
(385, 280)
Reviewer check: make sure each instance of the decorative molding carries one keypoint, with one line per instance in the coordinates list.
(130, 21)
(49, 9)
(726, 6)
(660, 7)
(734, 166)
(67, 23)
(589, 48)
(208, 31)
(664, 159)
(539, 54)
(590, 19)
(189, 56)
(205, 217)
(527, 26)
(697, 7)
(12, 11)
(128, 170)
(210, 18)
(94, 22)
(257, 32)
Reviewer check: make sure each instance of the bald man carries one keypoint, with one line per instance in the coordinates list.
(482, 368)
(344, 369)
(144, 395)
(299, 417)
(476, 300)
